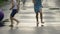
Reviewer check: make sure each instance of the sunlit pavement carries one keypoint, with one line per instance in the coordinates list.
(27, 20)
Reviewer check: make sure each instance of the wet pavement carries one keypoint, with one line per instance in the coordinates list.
(27, 19)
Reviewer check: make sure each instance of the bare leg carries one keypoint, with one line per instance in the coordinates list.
(11, 18)
(16, 20)
(37, 19)
(41, 17)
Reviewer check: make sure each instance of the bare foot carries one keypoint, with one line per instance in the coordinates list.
(10, 25)
(37, 24)
(17, 22)
(42, 23)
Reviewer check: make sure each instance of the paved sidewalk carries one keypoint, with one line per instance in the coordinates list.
(27, 20)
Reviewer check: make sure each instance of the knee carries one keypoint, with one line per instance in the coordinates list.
(11, 17)
(36, 15)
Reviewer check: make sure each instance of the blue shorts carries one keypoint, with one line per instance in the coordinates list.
(37, 8)
(14, 11)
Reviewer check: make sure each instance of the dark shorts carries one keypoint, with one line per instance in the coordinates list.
(14, 11)
(37, 8)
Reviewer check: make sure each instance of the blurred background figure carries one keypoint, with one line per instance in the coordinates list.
(1, 15)
(2, 22)
(23, 3)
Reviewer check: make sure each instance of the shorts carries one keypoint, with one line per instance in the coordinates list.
(14, 11)
(37, 8)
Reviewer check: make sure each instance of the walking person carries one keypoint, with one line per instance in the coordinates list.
(14, 8)
(38, 9)
(23, 2)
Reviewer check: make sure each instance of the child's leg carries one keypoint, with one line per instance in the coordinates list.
(11, 18)
(16, 20)
(14, 11)
(37, 18)
(41, 16)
